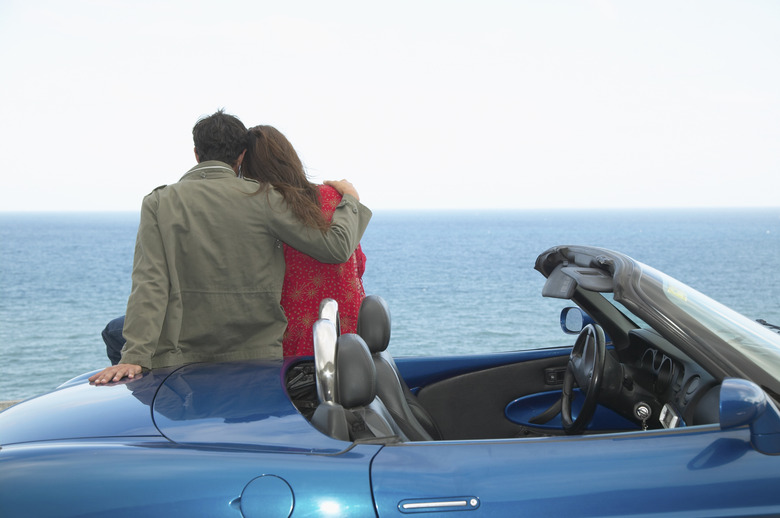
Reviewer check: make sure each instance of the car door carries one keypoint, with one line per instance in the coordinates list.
(695, 471)
(468, 396)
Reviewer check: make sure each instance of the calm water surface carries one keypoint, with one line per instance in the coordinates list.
(456, 282)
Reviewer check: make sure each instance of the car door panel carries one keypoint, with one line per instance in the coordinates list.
(472, 405)
(691, 472)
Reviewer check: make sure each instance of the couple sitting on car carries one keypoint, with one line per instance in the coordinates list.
(230, 268)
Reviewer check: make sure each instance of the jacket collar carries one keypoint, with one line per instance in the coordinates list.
(208, 170)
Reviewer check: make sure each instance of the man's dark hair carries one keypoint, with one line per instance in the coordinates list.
(219, 137)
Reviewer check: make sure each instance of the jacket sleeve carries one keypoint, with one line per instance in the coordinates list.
(350, 220)
(148, 299)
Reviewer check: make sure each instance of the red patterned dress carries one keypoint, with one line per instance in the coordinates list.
(308, 281)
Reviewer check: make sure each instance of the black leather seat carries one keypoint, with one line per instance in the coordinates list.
(353, 411)
(408, 413)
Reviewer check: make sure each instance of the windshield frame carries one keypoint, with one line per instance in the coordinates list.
(720, 335)
(754, 340)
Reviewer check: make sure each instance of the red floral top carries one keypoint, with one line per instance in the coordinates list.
(308, 281)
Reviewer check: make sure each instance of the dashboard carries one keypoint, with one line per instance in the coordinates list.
(682, 392)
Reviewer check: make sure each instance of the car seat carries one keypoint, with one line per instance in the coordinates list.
(353, 411)
(374, 327)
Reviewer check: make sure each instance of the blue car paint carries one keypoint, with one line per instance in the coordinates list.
(81, 410)
(422, 371)
(522, 410)
(159, 478)
(215, 445)
(229, 453)
(252, 410)
(743, 402)
(187, 405)
(693, 469)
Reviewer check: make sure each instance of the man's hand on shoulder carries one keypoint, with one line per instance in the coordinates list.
(115, 373)
(343, 187)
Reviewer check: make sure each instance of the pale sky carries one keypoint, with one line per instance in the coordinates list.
(421, 104)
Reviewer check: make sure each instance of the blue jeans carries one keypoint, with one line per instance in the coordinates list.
(112, 336)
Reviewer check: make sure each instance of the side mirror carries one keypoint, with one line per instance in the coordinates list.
(742, 402)
(574, 320)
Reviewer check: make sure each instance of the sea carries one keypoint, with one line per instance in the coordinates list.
(457, 282)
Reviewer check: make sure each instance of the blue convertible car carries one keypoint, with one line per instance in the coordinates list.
(666, 404)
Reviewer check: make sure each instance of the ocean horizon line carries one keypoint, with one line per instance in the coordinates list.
(454, 210)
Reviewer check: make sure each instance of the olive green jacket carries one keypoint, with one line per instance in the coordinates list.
(209, 267)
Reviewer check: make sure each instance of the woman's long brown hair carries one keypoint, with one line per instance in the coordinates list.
(271, 159)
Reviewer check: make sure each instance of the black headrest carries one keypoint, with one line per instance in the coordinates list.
(355, 372)
(374, 323)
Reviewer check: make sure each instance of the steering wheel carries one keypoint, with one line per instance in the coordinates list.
(586, 368)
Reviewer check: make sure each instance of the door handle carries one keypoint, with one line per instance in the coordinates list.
(458, 503)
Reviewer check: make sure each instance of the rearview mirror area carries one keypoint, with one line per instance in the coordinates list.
(742, 402)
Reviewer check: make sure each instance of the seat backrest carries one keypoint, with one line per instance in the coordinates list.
(374, 327)
(355, 412)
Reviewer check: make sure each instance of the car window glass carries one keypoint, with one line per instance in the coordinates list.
(756, 342)
(620, 307)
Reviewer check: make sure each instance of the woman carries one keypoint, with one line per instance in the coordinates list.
(271, 160)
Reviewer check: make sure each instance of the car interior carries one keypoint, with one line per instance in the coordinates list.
(625, 379)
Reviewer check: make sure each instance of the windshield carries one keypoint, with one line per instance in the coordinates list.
(756, 342)
(629, 314)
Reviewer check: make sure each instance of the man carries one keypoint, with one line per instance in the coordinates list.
(209, 262)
